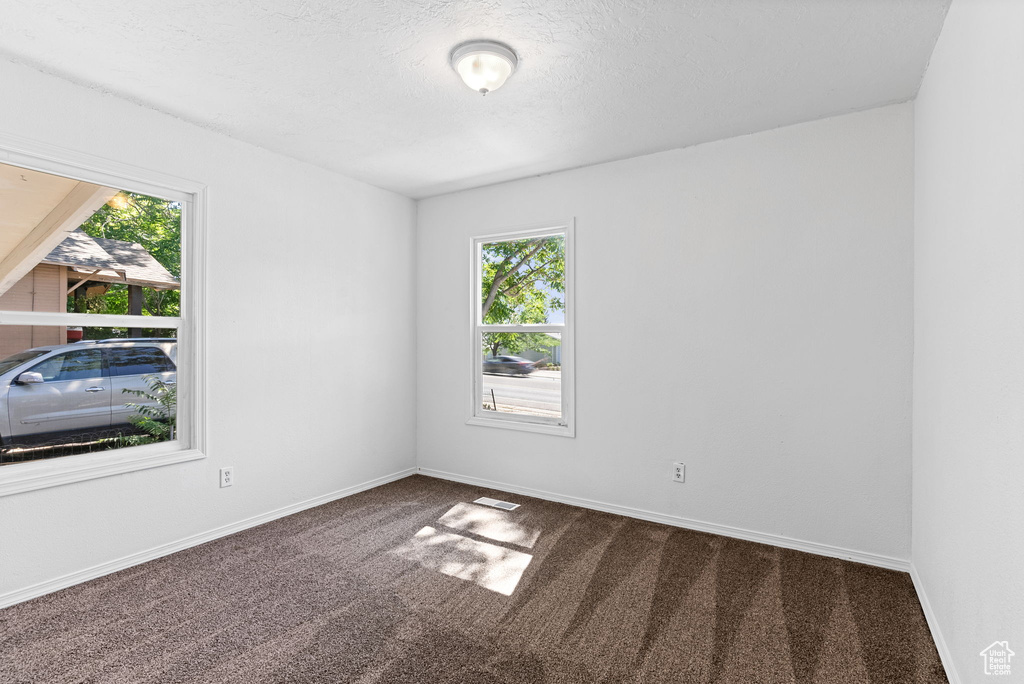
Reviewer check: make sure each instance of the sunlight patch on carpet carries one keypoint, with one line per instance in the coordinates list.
(491, 523)
(490, 566)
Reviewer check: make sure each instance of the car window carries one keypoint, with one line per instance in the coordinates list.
(15, 360)
(74, 365)
(138, 361)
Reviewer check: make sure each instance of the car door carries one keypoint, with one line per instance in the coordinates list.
(74, 396)
(129, 368)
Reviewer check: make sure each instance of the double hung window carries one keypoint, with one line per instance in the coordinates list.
(522, 332)
(101, 309)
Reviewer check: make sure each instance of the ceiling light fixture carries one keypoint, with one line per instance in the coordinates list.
(483, 64)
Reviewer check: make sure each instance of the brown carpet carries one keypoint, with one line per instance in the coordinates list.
(410, 582)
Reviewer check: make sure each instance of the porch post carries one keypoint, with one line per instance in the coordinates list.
(135, 307)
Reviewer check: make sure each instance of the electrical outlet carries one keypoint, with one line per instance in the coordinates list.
(679, 472)
(227, 476)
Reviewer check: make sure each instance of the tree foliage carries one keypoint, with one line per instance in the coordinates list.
(516, 343)
(156, 418)
(153, 223)
(522, 281)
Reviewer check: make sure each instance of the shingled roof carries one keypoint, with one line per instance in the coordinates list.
(115, 260)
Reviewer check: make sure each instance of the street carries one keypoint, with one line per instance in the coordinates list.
(538, 394)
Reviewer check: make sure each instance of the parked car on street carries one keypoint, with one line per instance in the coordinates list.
(509, 365)
(60, 392)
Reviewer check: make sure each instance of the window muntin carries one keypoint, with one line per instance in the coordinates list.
(522, 330)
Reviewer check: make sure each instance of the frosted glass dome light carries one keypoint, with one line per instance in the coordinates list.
(484, 65)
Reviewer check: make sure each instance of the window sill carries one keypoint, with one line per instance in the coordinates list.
(16, 478)
(522, 426)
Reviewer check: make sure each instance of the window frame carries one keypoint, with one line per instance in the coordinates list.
(190, 443)
(566, 425)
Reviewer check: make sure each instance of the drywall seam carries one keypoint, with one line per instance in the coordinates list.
(71, 579)
(945, 655)
(676, 521)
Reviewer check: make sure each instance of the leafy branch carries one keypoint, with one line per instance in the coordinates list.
(156, 418)
(522, 280)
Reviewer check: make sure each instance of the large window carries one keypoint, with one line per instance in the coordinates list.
(100, 313)
(522, 335)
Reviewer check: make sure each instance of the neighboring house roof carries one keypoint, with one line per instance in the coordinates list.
(80, 250)
(139, 265)
(111, 261)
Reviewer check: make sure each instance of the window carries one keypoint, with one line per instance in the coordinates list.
(101, 312)
(76, 365)
(139, 361)
(16, 360)
(522, 337)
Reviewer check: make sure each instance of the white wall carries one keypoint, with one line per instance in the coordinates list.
(311, 375)
(968, 500)
(768, 281)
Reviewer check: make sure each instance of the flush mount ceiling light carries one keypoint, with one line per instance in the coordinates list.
(484, 65)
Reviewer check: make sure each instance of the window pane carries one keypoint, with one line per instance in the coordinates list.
(117, 252)
(73, 365)
(18, 359)
(104, 392)
(522, 373)
(523, 281)
(140, 361)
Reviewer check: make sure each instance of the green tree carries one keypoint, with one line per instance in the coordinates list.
(151, 222)
(515, 343)
(522, 281)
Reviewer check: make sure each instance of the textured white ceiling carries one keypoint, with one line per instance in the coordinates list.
(365, 88)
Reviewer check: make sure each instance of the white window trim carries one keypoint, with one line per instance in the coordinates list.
(566, 426)
(191, 442)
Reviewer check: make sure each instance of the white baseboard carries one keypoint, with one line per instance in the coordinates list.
(676, 521)
(945, 655)
(49, 586)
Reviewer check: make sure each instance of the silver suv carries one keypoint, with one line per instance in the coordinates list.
(52, 393)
